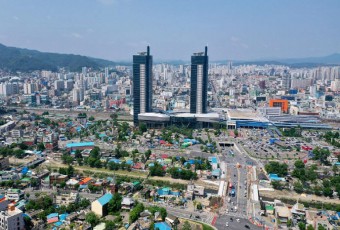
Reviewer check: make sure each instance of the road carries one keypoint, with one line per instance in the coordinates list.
(238, 177)
(74, 113)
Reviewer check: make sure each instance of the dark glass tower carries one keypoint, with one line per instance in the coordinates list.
(199, 82)
(142, 84)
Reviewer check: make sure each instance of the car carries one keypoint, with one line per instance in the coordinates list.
(197, 217)
(238, 220)
(231, 219)
(247, 226)
(226, 224)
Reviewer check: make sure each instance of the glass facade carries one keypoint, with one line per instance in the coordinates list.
(142, 84)
(199, 82)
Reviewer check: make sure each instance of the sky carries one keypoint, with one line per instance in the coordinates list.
(174, 29)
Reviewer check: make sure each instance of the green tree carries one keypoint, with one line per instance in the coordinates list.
(40, 146)
(302, 226)
(327, 191)
(310, 227)
(277, 168)
(70, 171)
(157, 170)
(289, 223)
(115, 203)
(277, 185)
(321, 154)
(91, 118)
(186, 226)
(134, 213)
(320, 227)
(92, 219)
(142, 127)
(110, 225)
(23, 146)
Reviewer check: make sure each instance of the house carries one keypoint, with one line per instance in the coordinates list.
(99, 206)
(298, 211)
(172, 220)
(67, 198)
(323, 221)
(143, 224)
(127, 203)
(126, 188)
(57, 178)
(283, 214)
(4, 163)
(194, 190)
(14, 194)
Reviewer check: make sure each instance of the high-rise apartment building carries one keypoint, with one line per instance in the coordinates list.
(199, 82)
(142, 84)
(286, 80)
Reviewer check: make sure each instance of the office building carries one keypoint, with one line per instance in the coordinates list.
(199, 82)
(283, 104)
(142, 84)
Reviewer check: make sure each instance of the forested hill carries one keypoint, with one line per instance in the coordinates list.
(25, 60)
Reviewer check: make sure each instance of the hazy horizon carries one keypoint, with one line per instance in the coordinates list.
(117, 29)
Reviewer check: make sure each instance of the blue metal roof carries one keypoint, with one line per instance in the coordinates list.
(52, 215)
(79, 144)
(105, 199)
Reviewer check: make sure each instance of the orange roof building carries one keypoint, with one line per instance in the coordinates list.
(279, 103)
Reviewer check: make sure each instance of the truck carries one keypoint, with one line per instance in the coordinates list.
(232, 193)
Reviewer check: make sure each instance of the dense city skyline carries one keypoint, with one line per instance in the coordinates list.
(116, 29)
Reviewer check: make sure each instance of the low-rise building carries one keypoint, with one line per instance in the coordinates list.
(127, 203)
(4, 163)
(195, 190)
(283, 214)
(14, 194)
(67, 198)
(99, 207)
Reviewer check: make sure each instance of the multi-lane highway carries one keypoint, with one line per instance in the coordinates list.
(235, 213)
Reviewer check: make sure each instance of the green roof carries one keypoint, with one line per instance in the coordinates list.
(270, 207)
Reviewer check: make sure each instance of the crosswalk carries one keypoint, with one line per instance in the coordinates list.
(210, 217)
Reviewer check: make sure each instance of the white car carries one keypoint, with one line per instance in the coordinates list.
(238, 220)
(226, 224)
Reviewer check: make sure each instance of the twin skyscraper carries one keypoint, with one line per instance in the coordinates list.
(142, 83)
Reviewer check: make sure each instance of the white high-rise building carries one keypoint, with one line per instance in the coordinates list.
(59, 85)
(106, 72)
(335, 85)
(6, 89)
(29, 88)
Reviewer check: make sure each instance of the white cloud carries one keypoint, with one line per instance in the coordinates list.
(234, 39)
(237, 42)
(76, 35)
(16, 18)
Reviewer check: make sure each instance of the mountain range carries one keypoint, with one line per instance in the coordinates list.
(25, 60)
(333, 59)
